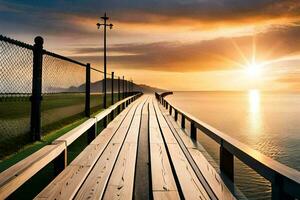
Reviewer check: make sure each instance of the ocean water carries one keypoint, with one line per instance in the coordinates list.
(265, 121)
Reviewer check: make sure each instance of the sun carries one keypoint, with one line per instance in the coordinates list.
(253, 70)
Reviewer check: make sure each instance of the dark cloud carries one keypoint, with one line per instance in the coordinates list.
(50, 16)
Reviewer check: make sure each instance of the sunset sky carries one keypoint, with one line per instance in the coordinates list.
(172, 44)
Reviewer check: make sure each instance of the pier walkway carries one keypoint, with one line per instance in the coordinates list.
(143, 153)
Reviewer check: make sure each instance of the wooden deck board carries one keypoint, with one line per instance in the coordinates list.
(94, 185)
(208, 171)
(121, 181)
(162, 176)
(190, 184)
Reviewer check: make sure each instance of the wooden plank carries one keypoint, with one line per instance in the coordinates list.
(142, 170)
(66, 184)
(190, 185)
(161, 173)
(208, 171)
(15, 176)
(95, 184)
(75, 133)
(120, 185)
(165, 195)
(121, 181)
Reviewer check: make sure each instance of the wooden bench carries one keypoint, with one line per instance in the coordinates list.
(15, 176)
(94, 164)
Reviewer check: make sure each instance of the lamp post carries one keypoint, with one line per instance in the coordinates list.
(105, 18)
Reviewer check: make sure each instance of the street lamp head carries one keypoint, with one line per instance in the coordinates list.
(98, 25)
(111, 26)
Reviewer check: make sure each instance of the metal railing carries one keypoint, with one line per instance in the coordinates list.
(54, 90)
(285, 181)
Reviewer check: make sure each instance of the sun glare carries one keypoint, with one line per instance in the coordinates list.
(253, 70)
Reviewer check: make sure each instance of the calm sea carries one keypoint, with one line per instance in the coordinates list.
(267, 122)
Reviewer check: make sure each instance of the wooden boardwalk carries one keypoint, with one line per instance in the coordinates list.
(142, 154)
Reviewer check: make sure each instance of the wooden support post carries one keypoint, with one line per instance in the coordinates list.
(277, 189)
(92, 133)
(123, 85)
(87, 90)
(182, 121)
(193, 131)
(105, 122)
(60, 162)
(119, 89)
(170, 111)
(226, 163)
(112, 88)
(36, 98)
(176, 115)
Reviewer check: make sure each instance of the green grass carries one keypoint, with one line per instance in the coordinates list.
(33, 147)
(58, 111)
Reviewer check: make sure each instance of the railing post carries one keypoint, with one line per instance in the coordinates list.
(104, 92)
(92, 133)
(182, 121)
(119, 94)
(170, 111)
(60, 162)
(193, 131)
(87, 89)
(226, 163)
(112, 88)
(176, 115)
(119, 89)
(126, 88)
(277, 189)
(36, 98)
(123, 85)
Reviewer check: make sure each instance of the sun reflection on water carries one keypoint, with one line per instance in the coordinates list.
(254, 111)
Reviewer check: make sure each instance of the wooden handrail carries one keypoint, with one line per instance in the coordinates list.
(285, 180)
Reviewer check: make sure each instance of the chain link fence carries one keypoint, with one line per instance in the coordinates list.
(96, 100)
(60, 94)
(63, 91)
(16, 60)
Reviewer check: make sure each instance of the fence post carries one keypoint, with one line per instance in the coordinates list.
(119, 92)
(182, 121)
(123, 85)
(104, 91)
(112, 88)
(87, 89)
(92, 133)
(193, 131)
(35, 120)
(226, 163)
